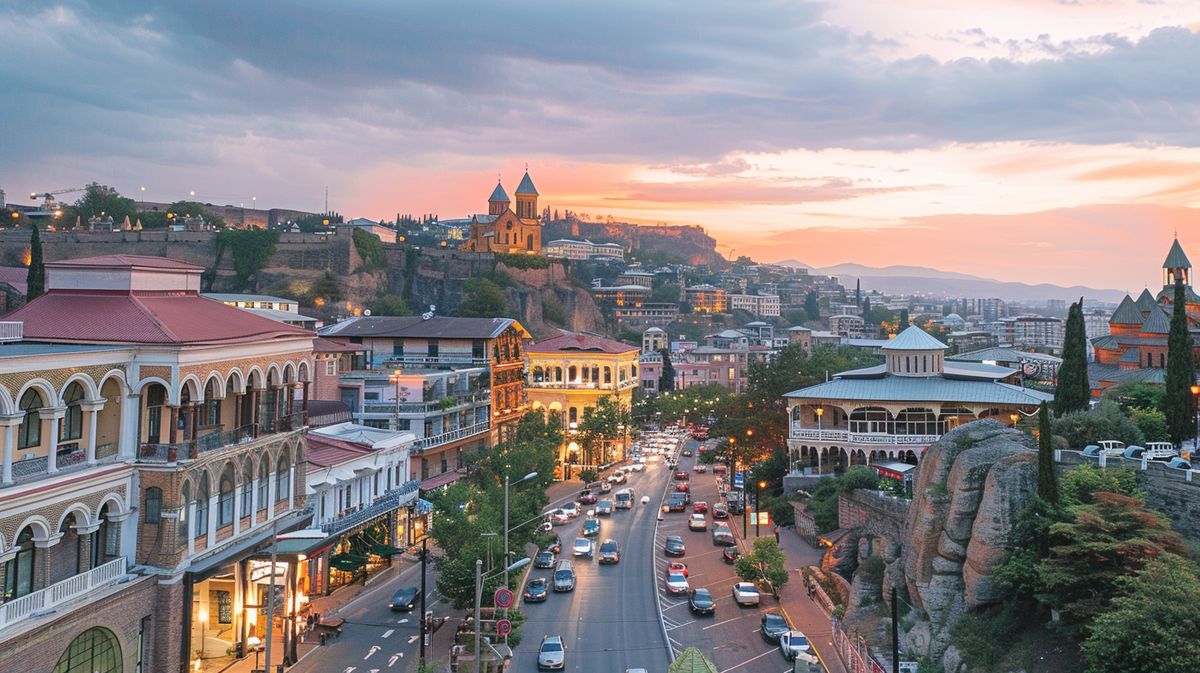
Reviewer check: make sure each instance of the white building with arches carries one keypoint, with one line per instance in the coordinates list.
(895, 410)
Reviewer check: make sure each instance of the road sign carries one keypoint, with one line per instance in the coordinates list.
(504, 598)
(739, 481)
(503, 627)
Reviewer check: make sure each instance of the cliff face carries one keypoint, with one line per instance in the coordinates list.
(687, 242)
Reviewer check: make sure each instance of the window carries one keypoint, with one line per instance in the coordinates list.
(183, 513)
(397, 346)
(263, 477)
(331, 367)
(18, 571)
(433, 348)
(371, 396)
(143, 627)
(202, 507)
(71, 425)
(93, 651)
(282, 472)
(30, 433)
(153, 505)
(225, 497)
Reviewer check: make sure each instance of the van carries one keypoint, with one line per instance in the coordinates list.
(624, 498)
(564, 576)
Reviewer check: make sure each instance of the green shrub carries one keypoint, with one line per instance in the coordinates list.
(524, 262)
(1105, 421)
(872, 569)
(985, 639)
(370, 250)
(251, 249)
(554, 311)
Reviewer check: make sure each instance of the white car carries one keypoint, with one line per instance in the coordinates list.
(677, 584)
(571, 509)
(697, 522)
(638, 467)
(1111, 447)
(645, 500)
(1159, 451)
(559, 516)
(793, 644)
(745, 594)
(551, 654)
(582, 547)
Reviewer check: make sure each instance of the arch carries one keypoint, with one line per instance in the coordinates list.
(114, 375)
(303, 371)
(871, 420)
(194, 388)
(39, 525)
(85, 382)
(555, 406)
(145, 383)
(201, 496)
(536, 406)
(71, 425)
(283, 484)
(7, 405)
(289, 372)
(117, 502)
(916, 421)
(275, 373)
(29, 434)
(83, 516)
(44, 388)
(255, 378)
(218, 385)
(235, 381)
(96, 650)
(226, 484)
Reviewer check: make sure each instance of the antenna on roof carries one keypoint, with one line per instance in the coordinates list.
(429, 314)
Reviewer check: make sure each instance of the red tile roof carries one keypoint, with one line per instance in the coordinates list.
(174, 318)
(568, 343)
(324, 345)
(325, 452)
(144, 261)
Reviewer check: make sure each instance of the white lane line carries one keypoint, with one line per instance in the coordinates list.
(712, 626)
(679, 626)
(393, 659)
(413, 639)
(736, 666)
(388, 633)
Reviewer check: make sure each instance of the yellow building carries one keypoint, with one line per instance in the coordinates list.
(571, 372)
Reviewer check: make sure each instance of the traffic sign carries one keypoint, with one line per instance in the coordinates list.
(504, 598)
(503, 627)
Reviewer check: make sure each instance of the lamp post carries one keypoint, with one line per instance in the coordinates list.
(1195, 399)
(531, 475)
(395, 379)
(1014, 417)
(758, 503)
(820, 411)
(479, 577)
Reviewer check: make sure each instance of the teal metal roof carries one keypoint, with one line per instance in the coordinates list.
(1002, 354)
(914, 339)
(526, 187)
(1159, 321)
(914, 389)
(498, 194)
(1145, 301)
(1168, 293)
(1127, 313)
(1176, 259)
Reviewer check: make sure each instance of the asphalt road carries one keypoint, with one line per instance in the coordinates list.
(610, 621)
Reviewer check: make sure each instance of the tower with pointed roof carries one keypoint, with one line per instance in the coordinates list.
(504, 231)
(1176, 266)
(498, 201)
(527, 196)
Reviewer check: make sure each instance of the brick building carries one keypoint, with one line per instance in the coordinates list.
(501, 229)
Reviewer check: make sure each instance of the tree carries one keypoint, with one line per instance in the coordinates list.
(903, 319)
(866, 310)
(35, 279)
(388, 304)
(1158, 603)
(1136, 394)
(1178, 402)
(666, 293)
(812, 307)
(1073, 392)
(766, 561)
(102, 200)
(1114, 537)
(666, 379)
(251, 249)
(603, 423)
(1105, 421)
(322, 291)
(483, 299)
(1047, 481)
(1152, 422)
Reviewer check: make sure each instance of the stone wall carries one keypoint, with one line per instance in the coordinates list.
(874, 513)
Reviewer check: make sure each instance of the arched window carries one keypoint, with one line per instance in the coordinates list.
(247, 486)
(153, 506)
(18, 571)
(93, 651)
(202, 491)
(184, 523)
(1149, 359)
(282, 473)
(30, 433)
(572, 415)
(633, 371)
(264, 469)
(572, 374)
(869, 420)
(212, 405)
(156, 397)
(608, 375)
(916, 421)
(71, 425)
(225, 496)
(1162, 359)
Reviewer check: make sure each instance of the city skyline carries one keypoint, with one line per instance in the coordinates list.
(1034, 141)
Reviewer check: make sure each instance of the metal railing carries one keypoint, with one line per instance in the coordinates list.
(385, 503)
(57, 594)
(452, 435)
(447, 359)
(32, 468)
(160, 452)
(427, 407)
(11, 330)
(860, 437)
(582, 385)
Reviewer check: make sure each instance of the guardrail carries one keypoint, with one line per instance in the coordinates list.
(382, 505)
(11, 330)
(451, 436)
(860, 437)
(426, 407)
(56, 594)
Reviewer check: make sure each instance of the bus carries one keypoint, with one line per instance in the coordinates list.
(624, 498)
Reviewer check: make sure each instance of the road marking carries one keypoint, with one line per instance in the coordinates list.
(349, 669)
(402, 621)
(374, 649)
(393, 659)
(413, 639)
(678, 626)
(736, 666)
(388, 633)
(710, 626)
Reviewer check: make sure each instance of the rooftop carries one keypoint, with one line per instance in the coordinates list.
(437, 327)
(526, 187)
(568, 342)
(136, 261)
(1175, 258)
(498, 194)
(914, 338)
(234, 297)
(888, 388)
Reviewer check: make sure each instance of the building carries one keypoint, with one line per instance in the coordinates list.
(571, 372)
(702, 365)
(970, 340)
(1030, 366)
(654, 339)
(464, 378)
(646, 314)
(286, 311)
(583, 250)
(621, 296)
(154, 442)
(386, 234)
(893, 411)
(706, 298)
(1095, 322)
(1136, 347)
(801, 335)
(848, 326)
(504, 231)
(764, 305)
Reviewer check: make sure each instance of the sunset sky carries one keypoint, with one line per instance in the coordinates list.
(1035, 140)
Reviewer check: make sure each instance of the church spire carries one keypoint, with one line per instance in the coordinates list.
(498, 201)
(1176, 266)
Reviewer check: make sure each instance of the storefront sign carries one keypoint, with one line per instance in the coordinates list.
(261, 570)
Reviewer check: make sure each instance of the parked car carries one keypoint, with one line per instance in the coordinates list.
(701, 602)
(730, 554)
(720, 469)
(677, 503)
(587, 497)
(1160, 451)
(700, 469)
(537, 590)
(677, 584)
(582, 547)
(618, 477)
(745, 594)
(571, 509)
(1112, 447)
(681, 476)
(699, 507)
(591, 527)
(719, 511)
(638, 466)
(604, 508)
(683, 488)
(793, 643)
(687, 453)
(610, 552)
(552, 655)
(697, 522)
(674, 546)
(722, 536)
(559, 517)
(678, 567)
(404, 599)
(544, 559)
(773, 625)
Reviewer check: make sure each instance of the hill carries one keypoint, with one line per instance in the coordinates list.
(684, 243)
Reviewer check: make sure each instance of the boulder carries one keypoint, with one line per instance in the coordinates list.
(1010, 487)
(952, 660)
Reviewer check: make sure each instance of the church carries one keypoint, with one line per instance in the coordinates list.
(1136, 347)
(504, 231)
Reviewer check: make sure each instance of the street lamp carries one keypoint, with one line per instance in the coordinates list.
(395, 378)
(1014, 417)
(758, 503)
(820, 411)
(1196, 397)
(479, 577)
(531, 475)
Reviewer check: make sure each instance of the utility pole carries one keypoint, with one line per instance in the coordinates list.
(424, 561)
(895, 634)
(271, 595)
(505, 562)
(478, 599)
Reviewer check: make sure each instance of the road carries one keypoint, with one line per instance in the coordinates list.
(610, 621)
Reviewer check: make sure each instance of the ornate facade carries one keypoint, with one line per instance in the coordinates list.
(505, 231)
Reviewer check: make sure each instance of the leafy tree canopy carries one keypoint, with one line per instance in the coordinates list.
(483, 299)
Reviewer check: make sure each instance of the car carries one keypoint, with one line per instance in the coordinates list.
(697, 522)
(677, 584)
(1111, 447)
(672, 464)
(586, 497)
(582, 547)
(571, 509)
(700, 469)
(618, 477)
(730, 554)
(677, 503)
(720, 469)
(537, 590)
(605, 486)
(687, 453)
(544, 559)
(678, 567)
(773, 625)
(699, 507)
(1159, 451)
(1091, 450)
(681, 476)
(734, 504)
(793, 643)
(559, 517)
(745, 594)
(674, 546)
(682, 488)
(552, 654)
(638, 466)
(719, 511)
(610, 552)
(604, 508)
(555, 545)
(701, 602)
(590, 527)
(722, 536)
(405, 599)
(636, 670)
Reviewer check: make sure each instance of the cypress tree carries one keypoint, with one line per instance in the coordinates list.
(1047, 481)
(35, 280)
(1181, 372)
(903, 319)
(866, 310)
(1073, 391)
(811, 307)
(666, 380)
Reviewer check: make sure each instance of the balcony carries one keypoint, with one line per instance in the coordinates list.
(451, 436)
(846, 437)
(31, 469)
(456, 359)
(582, 385)
(397, 497)
(428, 407)
(11, 330)
(57, 594)
(158, 452)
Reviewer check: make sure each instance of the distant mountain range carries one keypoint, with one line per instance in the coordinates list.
(924, 280)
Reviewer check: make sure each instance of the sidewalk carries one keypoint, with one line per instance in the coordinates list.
(801, 611)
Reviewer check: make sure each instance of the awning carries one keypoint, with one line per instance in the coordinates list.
(424, 506)
(441, 480)
(385, 550)
(347, 562)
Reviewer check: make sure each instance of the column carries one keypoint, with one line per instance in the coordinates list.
(254, 503)
(87, 540)
(213, 515)
(292, 486)
(271, 497)
(276, 413)
(53, 415)
(9, 423)
(237, 508)
(237, 410)
(173, 421)
(193, 421)
(92, 409)
(304, 404)
(191, 517)
(130, 435)
(255, 410)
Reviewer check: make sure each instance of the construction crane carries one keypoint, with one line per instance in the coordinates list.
(50, 203)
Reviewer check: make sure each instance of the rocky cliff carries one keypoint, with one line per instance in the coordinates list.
(687, 243)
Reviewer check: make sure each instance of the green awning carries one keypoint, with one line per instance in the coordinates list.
(348, 562)
(385, 550)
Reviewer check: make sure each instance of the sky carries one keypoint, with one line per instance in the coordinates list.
(1031, 140)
